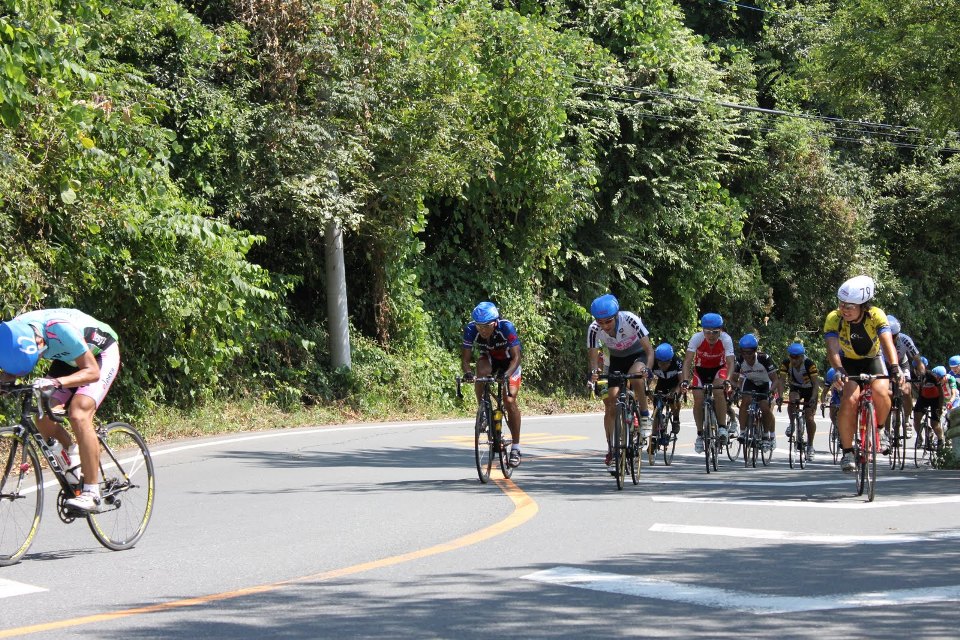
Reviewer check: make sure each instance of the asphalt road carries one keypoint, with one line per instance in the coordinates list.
(384, 531)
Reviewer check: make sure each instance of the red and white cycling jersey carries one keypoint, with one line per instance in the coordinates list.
(710, 356)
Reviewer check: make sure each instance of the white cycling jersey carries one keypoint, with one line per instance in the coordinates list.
(625, 341)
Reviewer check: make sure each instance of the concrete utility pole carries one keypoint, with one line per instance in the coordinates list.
(337, 297)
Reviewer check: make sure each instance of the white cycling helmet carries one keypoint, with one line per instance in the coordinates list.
(857, 290)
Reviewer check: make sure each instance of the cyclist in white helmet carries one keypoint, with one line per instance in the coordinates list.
(856, 333)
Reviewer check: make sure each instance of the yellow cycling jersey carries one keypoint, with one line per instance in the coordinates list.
(858, 340)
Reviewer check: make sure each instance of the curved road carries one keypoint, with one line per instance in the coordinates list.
(384, 531)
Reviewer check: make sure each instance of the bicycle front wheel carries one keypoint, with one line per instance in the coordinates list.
(483, 442)
(834, 441)
(669, 449)
(895, 426)
(919, 448)
(21, 496)
(802, 446)
(870, 462)
(620, 449)
(126, 487)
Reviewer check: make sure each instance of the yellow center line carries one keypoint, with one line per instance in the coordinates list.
(524, 509)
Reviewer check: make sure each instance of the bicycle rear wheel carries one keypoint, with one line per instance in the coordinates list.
(21, 496)
(503, 444)
(733, 445)
(669, 448)
(126, 487)
(919, 445)
(483, 442)
(802, 446)
(635, 449)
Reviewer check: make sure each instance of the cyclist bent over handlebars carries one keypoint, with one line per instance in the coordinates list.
(499, 347)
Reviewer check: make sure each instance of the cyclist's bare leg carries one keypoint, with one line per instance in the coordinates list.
(769, 422)
(881, 399)
(639, 386)
(698, 410)
(720, 403)
(513, 411)
(483, 371)
(808, 412)
(744, 406)
(50, 429)
(81, 411)
(847, 413)
(610, 414)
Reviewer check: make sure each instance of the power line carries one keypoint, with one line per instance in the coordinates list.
(839, 138)
(862, 127)
(751, 7)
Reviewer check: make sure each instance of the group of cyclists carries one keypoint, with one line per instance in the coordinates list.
(860, 339)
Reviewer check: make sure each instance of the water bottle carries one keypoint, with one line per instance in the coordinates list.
(56, 450)
(497, 419)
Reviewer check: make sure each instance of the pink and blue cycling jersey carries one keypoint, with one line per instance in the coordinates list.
(498, 345)
(70, 333)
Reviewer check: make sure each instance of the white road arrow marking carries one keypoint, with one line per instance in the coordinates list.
(9, 588)
(743, 601)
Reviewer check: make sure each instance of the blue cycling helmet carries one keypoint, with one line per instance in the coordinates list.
(924, 360)
(831, 374)
(18, 348)
(748, 341)
(796, 349)
(664, 352)
(711, 321)
(485, 312)
(606, 306)
(954, 361)
(894, 324)
(940, 371)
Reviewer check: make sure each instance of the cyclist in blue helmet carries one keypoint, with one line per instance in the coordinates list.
(626, 338)
(911, 367)
(754, 371)
(709, 359)
(954, 365)
(936, 389)
(85, 361)
(801, 373)
(667, 371)
(499, 349)
(832, 390)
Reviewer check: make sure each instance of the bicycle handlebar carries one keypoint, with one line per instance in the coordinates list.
(42, 397)
(481, 379)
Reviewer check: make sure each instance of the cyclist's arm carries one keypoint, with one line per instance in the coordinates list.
(466, 360)
(88, 371)
(687, 367)
(648, 350)
(886, 344)
(514, 361)
(593, 362)
(833, 353)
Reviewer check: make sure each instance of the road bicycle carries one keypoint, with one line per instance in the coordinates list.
(866, 438)
(897, 430)
(834, 437)
(627, 443)
(663, 438)
(797, 440)
(733, 445)
(927, 445)
(490, 439)
(712, 444)
(753, 431)
(126, 480)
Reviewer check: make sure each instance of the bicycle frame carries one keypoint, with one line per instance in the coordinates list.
(626, 443)
(866, 436)
(753, 432)
(488, 428)
(711, 442)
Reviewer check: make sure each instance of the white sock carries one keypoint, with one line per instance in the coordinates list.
(92, 488)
